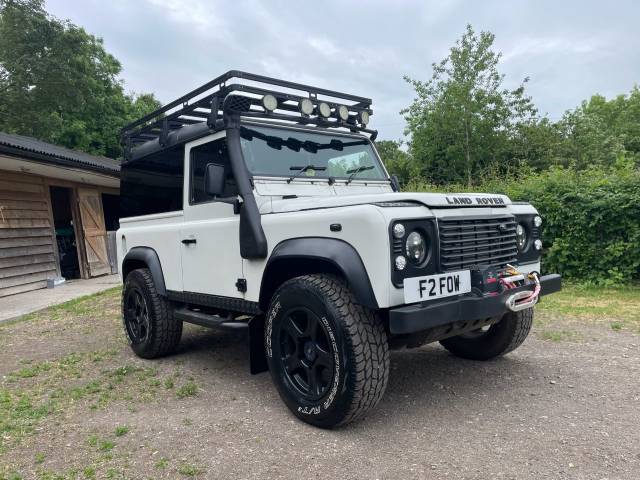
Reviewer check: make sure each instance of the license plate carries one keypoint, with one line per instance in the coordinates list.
(419, 289)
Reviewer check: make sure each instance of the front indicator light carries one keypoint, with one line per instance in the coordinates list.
(537, 221)
(400, 262)
(538, 244)
(398, 230)
(521, 237)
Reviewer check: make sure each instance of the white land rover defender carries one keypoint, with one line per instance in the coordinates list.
(258, 203)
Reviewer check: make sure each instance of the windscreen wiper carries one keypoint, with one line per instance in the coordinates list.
(357, 170)
(302, 170)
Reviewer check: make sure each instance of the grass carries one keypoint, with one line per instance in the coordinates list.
(617, 307)
(121, 430)
(189, 470)
(189, 389)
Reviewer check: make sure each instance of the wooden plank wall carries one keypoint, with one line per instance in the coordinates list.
(27, 238)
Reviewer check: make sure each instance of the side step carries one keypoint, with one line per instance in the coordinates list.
(207, 320)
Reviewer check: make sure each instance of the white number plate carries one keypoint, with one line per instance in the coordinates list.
(419, 289)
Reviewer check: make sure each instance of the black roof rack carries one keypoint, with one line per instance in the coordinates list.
(204, 105)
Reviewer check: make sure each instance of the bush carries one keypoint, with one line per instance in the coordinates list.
(592, 219)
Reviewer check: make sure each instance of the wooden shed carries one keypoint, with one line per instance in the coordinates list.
(56, 207)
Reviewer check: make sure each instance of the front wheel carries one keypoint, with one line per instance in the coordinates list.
(498, 339)
(328, 355)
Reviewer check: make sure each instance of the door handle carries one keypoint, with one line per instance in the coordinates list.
(189, 241)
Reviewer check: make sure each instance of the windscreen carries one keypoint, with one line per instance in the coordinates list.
(285, 153)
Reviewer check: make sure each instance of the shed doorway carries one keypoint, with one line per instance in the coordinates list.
(63, 220)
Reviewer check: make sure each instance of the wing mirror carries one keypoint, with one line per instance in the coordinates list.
(214, 179)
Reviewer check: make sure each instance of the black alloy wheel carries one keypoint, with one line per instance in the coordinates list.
(306, 353)
(136, 316)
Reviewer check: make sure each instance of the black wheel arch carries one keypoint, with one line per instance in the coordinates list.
(306, 255)
(145, 257)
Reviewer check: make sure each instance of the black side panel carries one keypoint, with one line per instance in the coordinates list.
(215, 301)
(338, 253)
(148, 257)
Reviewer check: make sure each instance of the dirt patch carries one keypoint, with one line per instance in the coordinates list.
(76, 403)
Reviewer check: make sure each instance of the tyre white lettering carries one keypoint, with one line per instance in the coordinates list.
(336, 359)
(309, 410)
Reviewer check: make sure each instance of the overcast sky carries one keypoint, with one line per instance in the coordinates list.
(570, 50)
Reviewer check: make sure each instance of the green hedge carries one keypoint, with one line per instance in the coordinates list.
(592, 220)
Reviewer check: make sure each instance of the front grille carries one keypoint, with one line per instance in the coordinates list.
(465, 243)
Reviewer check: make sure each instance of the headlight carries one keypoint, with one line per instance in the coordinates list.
(521, 237)
(416, 247)
(537, 221)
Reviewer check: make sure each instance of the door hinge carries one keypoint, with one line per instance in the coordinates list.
(241, 285)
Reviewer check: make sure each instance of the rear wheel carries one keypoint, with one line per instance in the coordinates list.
(328, 355)
(498, 339)
(147, 317)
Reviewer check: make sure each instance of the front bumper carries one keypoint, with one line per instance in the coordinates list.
(427, 315)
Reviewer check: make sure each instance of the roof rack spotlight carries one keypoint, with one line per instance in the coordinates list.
(324, 109)
(364, 117)
(343, 113)
(269, 102)
(305, 106)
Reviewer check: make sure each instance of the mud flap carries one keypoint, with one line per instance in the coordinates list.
(257, 355)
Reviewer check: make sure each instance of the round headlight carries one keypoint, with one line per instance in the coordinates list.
(269, 102)
(324, 109)
(416, 247)
(400, 262)
(538, 244)
(537, 221)
(521, 237)
(306, 106)
(343, 113)
(398, 230)
(364, 118)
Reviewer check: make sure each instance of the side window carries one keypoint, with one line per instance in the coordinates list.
(152, 184)
(201, 156)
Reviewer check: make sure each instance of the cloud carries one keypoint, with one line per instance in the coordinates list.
(570, 50)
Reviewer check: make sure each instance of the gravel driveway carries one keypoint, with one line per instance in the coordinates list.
(552, 409)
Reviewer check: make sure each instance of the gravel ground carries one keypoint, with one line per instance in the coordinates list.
(552, 409)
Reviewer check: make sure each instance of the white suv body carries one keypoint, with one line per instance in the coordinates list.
(297, 231)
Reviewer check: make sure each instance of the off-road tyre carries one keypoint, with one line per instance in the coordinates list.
(161, 332)
(501, 338)
(354, 339)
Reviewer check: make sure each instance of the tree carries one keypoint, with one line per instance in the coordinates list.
(397, 161)
(58, 84)
(601, 132)
(462, 119)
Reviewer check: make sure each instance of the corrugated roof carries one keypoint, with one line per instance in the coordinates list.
(38, 150)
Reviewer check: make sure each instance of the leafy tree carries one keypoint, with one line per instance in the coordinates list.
(58, 84)
(462, 119)
(601, 132)
(397, 161)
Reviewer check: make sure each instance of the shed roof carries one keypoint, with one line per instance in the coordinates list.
(28, 147)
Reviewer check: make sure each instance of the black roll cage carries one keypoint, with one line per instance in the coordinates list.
(206, 105)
